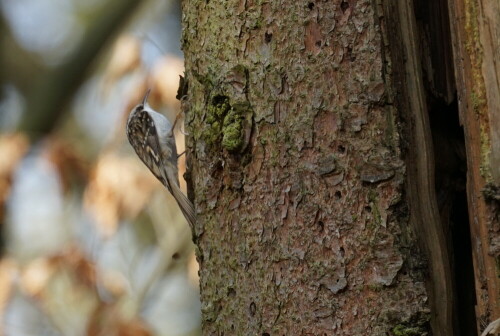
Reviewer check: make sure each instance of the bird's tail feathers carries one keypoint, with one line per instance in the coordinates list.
(185, 204)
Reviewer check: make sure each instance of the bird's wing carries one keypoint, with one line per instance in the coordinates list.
(142, 134)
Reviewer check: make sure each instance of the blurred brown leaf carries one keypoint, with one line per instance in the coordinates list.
(74, 260)
(8, 271)
(119, 187)
(113, 320)
(35, 276)
(69, 298)
(69, 164)
(114, 282)
(125, 57)
(13, 146)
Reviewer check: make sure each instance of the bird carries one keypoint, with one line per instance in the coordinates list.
(152, 136)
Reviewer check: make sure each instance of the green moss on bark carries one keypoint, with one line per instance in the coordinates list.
(232, 138)
(402, 330)
(226, 124)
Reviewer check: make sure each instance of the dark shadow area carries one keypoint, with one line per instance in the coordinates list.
(450, 182)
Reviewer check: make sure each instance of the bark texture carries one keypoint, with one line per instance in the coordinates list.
(476, 45)
(297, 173)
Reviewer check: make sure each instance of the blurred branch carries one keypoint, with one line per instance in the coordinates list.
(53, 90)
(17, 65)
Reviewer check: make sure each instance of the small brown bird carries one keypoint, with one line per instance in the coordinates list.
(152, 137)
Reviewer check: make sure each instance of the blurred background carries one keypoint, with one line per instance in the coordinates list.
(91, 243)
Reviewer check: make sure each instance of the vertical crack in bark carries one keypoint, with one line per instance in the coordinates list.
(424, 211)
(436, 57)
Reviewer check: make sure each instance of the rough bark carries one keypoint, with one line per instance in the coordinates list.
(296, 171)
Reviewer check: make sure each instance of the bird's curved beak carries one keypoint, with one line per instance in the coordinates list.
(145, 99)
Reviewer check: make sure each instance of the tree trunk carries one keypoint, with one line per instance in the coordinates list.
(321, 207)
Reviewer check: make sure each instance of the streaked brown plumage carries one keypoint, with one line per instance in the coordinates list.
(151, 136)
